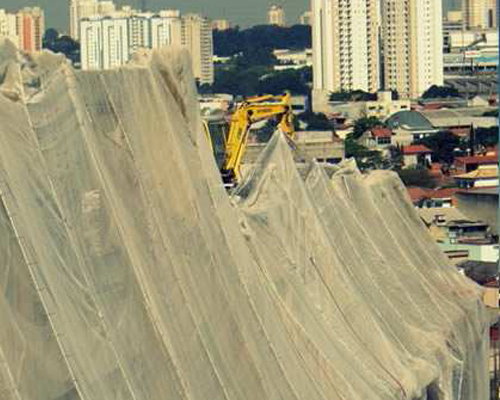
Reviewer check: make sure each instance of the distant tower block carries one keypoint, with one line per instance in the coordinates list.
(143, 5)
(276, 15)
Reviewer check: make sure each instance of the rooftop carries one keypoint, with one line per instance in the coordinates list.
(485, 191)
(418, 193)
(415, 149)
(410, 120)
(488, 159)
(380, 132)
(481, 173)
(428, 215)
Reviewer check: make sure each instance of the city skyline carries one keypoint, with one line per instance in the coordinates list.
(239, 13)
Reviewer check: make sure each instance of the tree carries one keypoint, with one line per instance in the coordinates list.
(50, 37)
(354, 95)
(436, 92)
(417, 176)
(234, 41)
(443, 145)
(256, 56)
(293, 81)
(364, 124)
(366, 159)
(316, 121)
(486, 137)
(396, 157)
(61, 44)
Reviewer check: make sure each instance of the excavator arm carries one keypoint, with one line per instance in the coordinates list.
(252, 111)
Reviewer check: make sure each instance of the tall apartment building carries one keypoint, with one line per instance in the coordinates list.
(221, 24)
(492, 13)
(197, 38)
(110, 41)
(276, 16)
(412, 41)
(166, 29)
(104, 42)
(305, 18)
(82, 9)
(8, 26)
(480, 14)
(30, 28)
(345, 45)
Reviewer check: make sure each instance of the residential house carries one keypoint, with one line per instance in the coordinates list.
(470, 163)
(483, 176)
(432, 198)
(416, 154)
(460, 237)
(378, 138)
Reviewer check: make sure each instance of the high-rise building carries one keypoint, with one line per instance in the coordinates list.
(221, 25)
(306, 18)
(197, 38)
(81, 9)
(276, 15)
(480, 14)
(104, 42)
(166, 29)
(8, 27)
(110, 41)
(345, 45)
(412, 41)
(30, 27)
(492, 13)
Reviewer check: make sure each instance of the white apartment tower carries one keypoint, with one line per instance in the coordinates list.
(105, 42)
(276, 16)
(345, 45)
(197, 38)
(82, 9)
(166, 29)
(110, 41)
(8, 27)
(412, 41)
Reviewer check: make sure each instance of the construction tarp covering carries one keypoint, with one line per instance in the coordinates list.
(128, 273)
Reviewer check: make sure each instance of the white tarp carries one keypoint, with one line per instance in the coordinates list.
(126, 272)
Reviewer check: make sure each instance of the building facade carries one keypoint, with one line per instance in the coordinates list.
(306, 18)
(221, 25)
(8, 27)
(346, 45)
(197, 38)
(83, 9)
(412, 41)
(480, 14)
(105, 42)
(30, 28)
(110, 41)
(276, 16)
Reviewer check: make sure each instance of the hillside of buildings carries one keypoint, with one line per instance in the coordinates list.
(129, 273)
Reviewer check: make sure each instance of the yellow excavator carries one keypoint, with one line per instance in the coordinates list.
(229, 141)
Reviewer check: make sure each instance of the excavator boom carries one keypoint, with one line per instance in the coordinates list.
(246, 114)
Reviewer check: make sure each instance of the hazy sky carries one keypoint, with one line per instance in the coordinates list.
(242, 12)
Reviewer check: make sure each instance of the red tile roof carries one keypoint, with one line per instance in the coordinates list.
(380, 132)
(418, 193)
(416, 149)
(491, 159)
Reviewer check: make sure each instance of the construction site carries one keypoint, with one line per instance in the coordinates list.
(129, 272)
